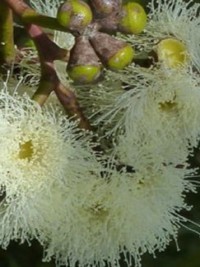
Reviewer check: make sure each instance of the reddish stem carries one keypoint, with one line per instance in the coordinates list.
(39, 37)
(71, 105)
(47, 49)
(49, 79)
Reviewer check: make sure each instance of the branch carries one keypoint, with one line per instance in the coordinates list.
(43, 21)
(49, 80)
(7, 49)
(71, 105)
(48, 51)
(30, 16)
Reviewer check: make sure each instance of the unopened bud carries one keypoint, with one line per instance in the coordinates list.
(75, 15)
(84, 65)
(115, 54)
(104, 8)
(133, 19)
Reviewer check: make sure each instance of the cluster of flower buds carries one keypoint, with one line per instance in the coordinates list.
(92, 23)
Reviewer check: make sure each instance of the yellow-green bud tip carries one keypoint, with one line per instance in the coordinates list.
(74, 14)
(172, 52)
(134, 18)
(84, 73)
(122, 58)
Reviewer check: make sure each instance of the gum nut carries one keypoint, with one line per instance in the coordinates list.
(133, 19)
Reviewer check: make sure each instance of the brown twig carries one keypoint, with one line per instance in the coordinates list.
(70, 103)
(49, 79)
(48, 51)
(30, 16)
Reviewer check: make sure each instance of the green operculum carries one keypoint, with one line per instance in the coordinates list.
(84, 73)
(122, 58)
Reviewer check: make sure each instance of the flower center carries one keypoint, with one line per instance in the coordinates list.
(26, 150)
(172, 52)
(167, 106)
(98, 211)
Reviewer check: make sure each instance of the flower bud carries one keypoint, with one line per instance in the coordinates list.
(115, 54)
(84, 65)
(75, 15)
(133, 19)
(104, 8)
(171, 52)
(109, 24)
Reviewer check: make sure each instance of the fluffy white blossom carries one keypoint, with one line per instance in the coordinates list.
(135, 213)
(40, 151)
(92, 208)
(195, 47)
(171, 17)
(157, 112)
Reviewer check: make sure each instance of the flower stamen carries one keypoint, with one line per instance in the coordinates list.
(26, 150)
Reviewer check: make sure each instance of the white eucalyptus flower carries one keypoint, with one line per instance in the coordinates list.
(125, 213)
(195, 47)
(40, 151)
(158, 111)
